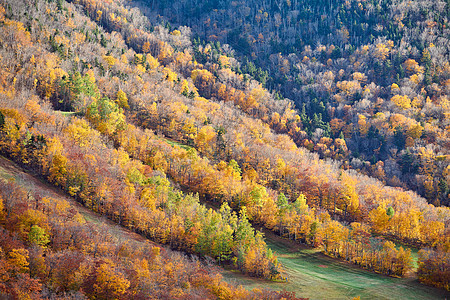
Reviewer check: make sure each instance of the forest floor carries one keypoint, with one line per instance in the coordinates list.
(311, 274)
(316, 276)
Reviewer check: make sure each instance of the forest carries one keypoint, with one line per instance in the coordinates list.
(188, 137)
(372, 73)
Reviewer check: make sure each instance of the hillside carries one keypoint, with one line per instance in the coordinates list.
(309, 269)
(152, 129)
(373, 73)
(73, 253)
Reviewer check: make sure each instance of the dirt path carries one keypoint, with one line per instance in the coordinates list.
(11, 171)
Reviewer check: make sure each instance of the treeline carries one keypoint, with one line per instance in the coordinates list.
(434, 266)
(118, 169)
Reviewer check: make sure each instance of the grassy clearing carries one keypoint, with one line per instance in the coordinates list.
(68, 113)
(316, 276)
(175, 143)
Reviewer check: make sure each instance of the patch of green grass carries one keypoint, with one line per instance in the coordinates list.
(175, 143)
(68, 113)
(414, 254)
(316, 276)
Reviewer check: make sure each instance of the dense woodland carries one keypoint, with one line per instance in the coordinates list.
(143, 123)
(374, 73)
(49, 251)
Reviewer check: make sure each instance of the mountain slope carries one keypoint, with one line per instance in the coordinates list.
(87, 255)
(374, 73)
(125, 84)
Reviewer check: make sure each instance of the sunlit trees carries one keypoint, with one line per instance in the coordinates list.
(434, 267)
(237, 145)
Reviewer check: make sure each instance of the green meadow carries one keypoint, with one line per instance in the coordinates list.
(313, 275)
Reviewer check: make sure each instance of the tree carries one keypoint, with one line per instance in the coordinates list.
(244, 235)
(222, 248)
(106, 116)
(332, 234)
(349, 199)
(58, 169)
(18, 258)
(402, 102)
(300, 204)
(38, 236)
(122, 99)
(204, 140)
(379, 218)
(107, 281)
(282, 202)
(381, 51)
(434, 268)
(390, 212)
(2, 120)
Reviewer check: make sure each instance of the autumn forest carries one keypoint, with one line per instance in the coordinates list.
(195, 126)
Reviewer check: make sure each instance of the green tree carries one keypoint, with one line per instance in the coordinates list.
(282, 201)
(38, 236)
(390, 212)
(300, 205)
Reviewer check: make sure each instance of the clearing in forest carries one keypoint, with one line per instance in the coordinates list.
(311, 274)
(314, 275)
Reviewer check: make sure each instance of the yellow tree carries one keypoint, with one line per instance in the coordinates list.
(18, 258)
(402, 102)
(122, 99)
(332, 234)
(205, 139)
(152, 62)
(109, 283)
(432, 232)
(348, 199)
(58, 170)
(363, 125)
(379, 218)
(381, 51)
